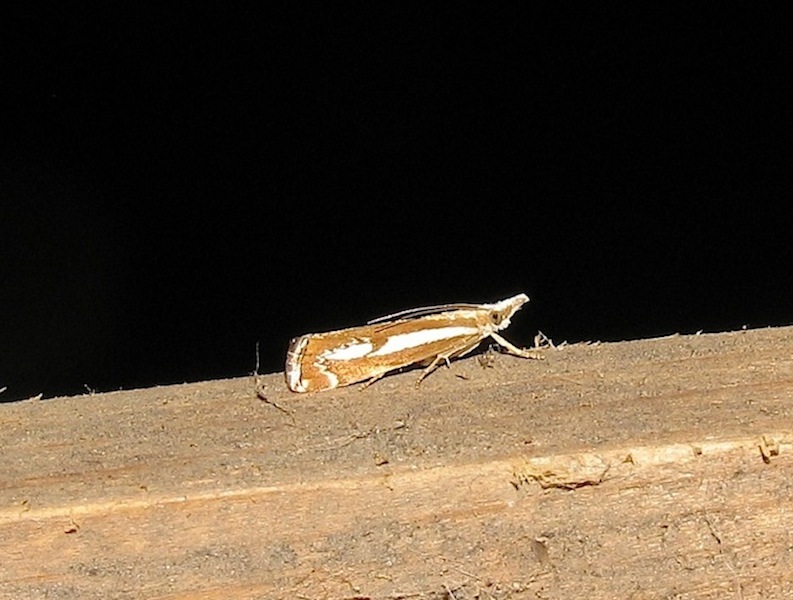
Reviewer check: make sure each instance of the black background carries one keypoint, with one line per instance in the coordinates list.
(178, 185)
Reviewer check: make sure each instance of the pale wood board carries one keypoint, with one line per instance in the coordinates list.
(621, 470)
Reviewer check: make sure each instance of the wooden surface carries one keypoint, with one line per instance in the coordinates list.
(648, 469)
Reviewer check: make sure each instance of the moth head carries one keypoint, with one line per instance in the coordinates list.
(501, 312)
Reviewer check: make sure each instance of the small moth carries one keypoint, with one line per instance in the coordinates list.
(428, 336)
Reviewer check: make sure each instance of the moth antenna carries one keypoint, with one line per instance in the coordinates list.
(412, 313)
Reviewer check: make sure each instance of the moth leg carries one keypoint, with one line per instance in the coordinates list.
(369, 382)
(433, 365)
(512, 349)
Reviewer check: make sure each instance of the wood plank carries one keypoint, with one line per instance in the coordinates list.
(646, 469)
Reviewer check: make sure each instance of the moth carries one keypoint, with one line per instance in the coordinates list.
(427, 336)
